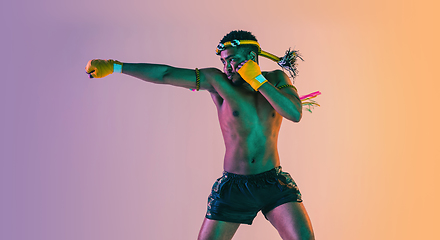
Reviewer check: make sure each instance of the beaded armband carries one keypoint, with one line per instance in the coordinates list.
(287, 85)
(306, 100)
(197, 81)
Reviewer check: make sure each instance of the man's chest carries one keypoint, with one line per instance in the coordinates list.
(245, 109)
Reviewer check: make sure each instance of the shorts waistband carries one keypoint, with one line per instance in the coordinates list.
(273, 172)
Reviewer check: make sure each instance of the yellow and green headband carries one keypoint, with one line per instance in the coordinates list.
(288, 61)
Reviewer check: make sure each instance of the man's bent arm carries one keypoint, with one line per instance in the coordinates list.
(286, 101)
(164, 74)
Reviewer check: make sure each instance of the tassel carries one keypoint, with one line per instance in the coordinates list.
(310, 95)
(307, 103)
(288, 62)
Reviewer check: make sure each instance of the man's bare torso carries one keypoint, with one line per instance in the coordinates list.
(250, 127)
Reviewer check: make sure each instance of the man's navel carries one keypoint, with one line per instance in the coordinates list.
(235, 113)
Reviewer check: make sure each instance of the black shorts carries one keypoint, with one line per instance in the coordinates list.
(238, 198)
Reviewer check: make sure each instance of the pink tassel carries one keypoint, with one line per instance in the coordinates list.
(307, 103)
(313, 94)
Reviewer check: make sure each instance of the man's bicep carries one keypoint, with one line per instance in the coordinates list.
(190, 78)
(284, 84)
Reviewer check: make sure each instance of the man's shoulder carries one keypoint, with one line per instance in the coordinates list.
(214, 77)
(276, 77)
(213, 74)
(212, 71)
(275, 73)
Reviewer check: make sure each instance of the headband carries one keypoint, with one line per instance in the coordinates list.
(288, 61)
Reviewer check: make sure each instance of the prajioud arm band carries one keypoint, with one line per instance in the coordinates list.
(306, 100)
(287, 85)
(197, 80)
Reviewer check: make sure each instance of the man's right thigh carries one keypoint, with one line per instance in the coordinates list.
(217, 230)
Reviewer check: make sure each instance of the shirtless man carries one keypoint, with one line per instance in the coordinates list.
(250, 107)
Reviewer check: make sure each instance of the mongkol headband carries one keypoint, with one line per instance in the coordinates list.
(288, 61)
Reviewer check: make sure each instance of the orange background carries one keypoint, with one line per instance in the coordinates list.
(118, 158)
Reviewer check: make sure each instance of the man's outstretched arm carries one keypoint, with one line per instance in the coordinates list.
(154, 73)
(164, 74)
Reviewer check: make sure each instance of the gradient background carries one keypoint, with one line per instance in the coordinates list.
(118, 158)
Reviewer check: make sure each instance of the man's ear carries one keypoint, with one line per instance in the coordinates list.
(252, 56)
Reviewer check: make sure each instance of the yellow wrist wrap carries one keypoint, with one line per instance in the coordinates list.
(98, 68)
(251, 73)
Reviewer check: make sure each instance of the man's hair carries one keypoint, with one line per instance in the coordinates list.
(241, 35)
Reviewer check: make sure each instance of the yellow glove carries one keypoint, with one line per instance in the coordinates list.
(98, 68)
(251, 73)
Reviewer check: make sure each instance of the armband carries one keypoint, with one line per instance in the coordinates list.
(197, 81)
(287, 85)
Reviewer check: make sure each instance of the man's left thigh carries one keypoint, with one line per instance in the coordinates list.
(291, 220)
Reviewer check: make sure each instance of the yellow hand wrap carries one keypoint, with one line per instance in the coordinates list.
(98, 68)
(251, 73)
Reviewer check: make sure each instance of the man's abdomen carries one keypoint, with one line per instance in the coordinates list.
(249, 157)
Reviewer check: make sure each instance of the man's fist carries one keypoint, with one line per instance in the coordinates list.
(251, 73)
(98, 68)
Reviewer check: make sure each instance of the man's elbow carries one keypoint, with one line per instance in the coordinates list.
(294, 116)
(297, 117)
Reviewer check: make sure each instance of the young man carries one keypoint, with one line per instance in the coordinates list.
(250, 106)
